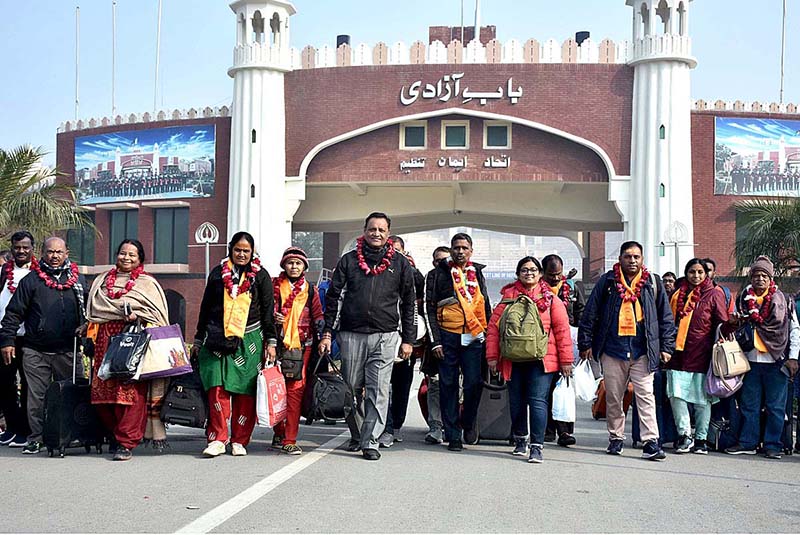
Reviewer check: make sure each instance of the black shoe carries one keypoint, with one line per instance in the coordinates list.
(32, 448)
(773, 454)
(565, 439)
(470, 436)
(455, 445)
(354, 445)
(652, 451)
(277, 442)
(6, 437)
(549, 436)
(122, 454)
(520, 446)
(700, 447)
(371, 455)
(536, 455)
(615, 447)
(161, 446)
(738, 450)
(684, 444)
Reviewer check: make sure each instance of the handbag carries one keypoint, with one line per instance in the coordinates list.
(292, 363)
(186, 402)
(745, 336)
(727, 358)
(124, 354)
(217, 342)
(271, 403)
(722, 387)
(166, 354)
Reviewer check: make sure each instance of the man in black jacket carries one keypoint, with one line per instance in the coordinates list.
(458, 309)
(376, 287)
(51, 303)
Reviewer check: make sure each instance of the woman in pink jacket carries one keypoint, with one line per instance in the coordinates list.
(529, 380)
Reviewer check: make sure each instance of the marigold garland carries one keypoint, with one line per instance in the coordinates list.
(112, 279)
(623, 292)
(756, 314)
(50, 283)
(250, 276)
(682, 309)
(8, 267)
(385, 262)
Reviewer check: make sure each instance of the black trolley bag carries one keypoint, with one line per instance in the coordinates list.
(331, 396)
(493, 421)
(186, 403)
(69, 417)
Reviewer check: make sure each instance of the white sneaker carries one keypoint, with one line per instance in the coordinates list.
(214, 449)
(237, 450)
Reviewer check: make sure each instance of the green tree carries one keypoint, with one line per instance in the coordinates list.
(768, 227)
(32, 199)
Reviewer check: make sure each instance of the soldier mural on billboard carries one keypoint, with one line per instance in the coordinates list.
(757, 157)
(160, 163)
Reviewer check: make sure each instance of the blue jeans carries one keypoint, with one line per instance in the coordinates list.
(529, 387)
(466, 360)
(763, 382)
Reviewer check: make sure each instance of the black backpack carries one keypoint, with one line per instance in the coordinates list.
(332, 398)
(186, 403)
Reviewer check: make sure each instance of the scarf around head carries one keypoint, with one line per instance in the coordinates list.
(56, 274)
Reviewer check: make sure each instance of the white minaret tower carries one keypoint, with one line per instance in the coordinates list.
(257, 188)
(661, 169)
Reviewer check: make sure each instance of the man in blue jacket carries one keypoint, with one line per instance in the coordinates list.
(628, 326)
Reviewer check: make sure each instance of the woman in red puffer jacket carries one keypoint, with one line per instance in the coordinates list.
(529, 381)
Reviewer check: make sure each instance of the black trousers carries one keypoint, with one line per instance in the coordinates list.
(14, 395)
(402, 377)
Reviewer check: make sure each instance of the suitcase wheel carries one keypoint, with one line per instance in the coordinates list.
(62, 451)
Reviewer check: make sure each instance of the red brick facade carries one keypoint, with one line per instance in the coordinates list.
(715, 215)
(590, 101)
(215, 209)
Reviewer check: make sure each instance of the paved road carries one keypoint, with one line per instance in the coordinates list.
(414, 488)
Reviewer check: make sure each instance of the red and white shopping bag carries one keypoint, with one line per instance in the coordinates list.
(271, 397)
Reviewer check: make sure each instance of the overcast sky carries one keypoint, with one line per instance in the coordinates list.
(736, 42)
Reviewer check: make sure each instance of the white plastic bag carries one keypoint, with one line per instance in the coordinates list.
(564, 401)
(585, 383)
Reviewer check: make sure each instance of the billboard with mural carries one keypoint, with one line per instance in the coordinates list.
(757, 157)
(158, 163)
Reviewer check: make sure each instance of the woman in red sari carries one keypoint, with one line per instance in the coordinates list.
(127, 409)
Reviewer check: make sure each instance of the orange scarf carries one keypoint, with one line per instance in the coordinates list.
(630, 313)
(683, 324)
(291, 331)
(557, 288)
(474, 312)
(758, 343)
(235, 311)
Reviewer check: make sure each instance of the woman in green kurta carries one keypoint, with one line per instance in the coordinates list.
(235, 335)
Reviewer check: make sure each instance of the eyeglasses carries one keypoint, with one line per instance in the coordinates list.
(528, 271)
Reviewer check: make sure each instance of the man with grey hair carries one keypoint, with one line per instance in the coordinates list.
(50, 302)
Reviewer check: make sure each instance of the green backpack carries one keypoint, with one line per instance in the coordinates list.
(522, 336)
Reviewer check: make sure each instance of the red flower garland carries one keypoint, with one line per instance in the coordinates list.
(297, 287)
(385, 262)
(472, 279)
(50, 283)
(623, 291)
(541, 294)
(756, 314)
(227, 277)
(112, 279)
(9, 269)
(682, 310)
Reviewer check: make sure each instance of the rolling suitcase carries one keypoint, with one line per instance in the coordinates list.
(599, 403)
(69, 417)
(493, 421)
(186, 402)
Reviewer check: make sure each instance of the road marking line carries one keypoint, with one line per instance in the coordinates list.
(227, 510)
